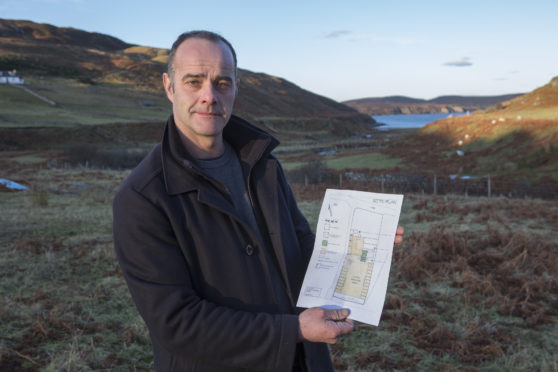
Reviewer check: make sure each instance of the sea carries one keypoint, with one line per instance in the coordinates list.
(409, 121)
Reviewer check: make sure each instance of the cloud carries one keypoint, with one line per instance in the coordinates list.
(337, 33)
(462, 62)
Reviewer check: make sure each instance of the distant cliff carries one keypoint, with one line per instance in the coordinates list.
(406, 105)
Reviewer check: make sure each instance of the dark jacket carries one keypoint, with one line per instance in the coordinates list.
(194, 269)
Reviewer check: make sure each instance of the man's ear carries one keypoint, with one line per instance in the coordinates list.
(167, 84)
(237, 85)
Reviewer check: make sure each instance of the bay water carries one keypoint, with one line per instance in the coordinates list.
(408, 121)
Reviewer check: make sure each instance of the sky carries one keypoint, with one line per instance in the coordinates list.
(344, 49)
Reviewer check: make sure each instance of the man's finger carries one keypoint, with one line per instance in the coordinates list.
(338, 314)
(345, 327)
(399, 234)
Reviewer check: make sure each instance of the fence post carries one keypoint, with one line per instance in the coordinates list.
(382, 179)
(340, 180)
(489, 187)
(305, 180)
(435, 192)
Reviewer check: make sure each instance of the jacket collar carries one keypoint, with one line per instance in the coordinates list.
(180, 171)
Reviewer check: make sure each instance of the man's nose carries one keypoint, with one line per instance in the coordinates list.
(208, 94)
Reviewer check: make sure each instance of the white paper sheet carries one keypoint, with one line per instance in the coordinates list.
(351, 259)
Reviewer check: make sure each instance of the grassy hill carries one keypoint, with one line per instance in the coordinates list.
(45, 33)
(96, 79)
(518, 138)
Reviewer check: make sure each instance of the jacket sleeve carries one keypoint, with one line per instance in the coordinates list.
(187, 326)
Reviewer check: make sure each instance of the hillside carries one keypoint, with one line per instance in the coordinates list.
(406, 105)
(43, 51)
(518, 137)
(45, 33)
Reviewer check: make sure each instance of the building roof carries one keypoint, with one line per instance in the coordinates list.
(8, 73)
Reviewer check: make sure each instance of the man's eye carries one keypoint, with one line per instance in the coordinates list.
(224, 84)
(192, 83)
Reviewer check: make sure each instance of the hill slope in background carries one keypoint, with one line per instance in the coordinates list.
(405, 105)
(45, 33)
(42, 50)
(516, 137)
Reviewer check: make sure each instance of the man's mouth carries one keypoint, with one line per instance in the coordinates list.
(209, 114)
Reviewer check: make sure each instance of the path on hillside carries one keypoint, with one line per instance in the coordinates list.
(35, 94)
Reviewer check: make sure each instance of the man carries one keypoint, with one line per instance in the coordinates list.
(209, 237)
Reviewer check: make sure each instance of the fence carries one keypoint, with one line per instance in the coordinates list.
(431, 184)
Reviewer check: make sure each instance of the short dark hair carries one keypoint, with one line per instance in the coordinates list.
(197, 34)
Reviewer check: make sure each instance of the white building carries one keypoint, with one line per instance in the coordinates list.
(10, 77)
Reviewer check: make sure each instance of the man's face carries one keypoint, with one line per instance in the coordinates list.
(203, 88)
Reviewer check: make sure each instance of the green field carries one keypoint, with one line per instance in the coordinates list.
(474, 286)
(78, 103)
(369, 160)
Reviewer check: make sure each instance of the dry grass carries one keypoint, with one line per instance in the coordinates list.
(472, 288)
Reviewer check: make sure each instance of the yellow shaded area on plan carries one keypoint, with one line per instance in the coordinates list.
(356, 273)
(356, 245)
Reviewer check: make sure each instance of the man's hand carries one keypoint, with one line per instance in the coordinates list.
(324, 325)
(399, 234)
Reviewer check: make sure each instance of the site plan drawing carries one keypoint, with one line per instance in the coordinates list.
(351, 259)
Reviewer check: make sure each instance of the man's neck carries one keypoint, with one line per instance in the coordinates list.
(204, 147)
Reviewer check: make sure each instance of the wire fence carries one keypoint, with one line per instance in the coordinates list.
(431, 184)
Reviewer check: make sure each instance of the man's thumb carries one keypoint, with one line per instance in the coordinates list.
(338, 314)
